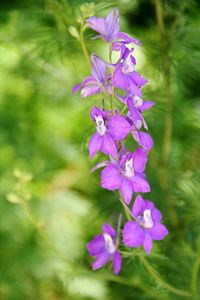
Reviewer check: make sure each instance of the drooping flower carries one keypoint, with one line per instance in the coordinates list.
(104, 247)
(109, 130)
(96, 83)
(146, 226)
(108, 28)
(127, 174)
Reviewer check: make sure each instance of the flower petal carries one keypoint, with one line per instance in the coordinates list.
(140, 185)
(124, 82)
(133, 234)
(110, 178)
(139, 160)
(147, 243)
(76, 88)
(158, 231)
(156, 214)
(135, 114)
(138, 79)
(127, 190)
(90, 90)
(128, 39)
(100, 260)
(112, 25)
(120, 80)
(107, 228)
(100, 165)
(95, 144)
(117, 262)
(108, 145)
(97, 245)
(95, 112)
(149, 205)
(138, 206)
(118, 127)
(97, 24)
(89, 80)
(98, 68)
(146, 105)
(144, 139)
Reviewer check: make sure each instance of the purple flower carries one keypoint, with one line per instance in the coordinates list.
(108, 28)
(136, 106)
(127, 175)
(146, 227)
(104, 247)
(96, 83)
(109, 130)
(125, 77)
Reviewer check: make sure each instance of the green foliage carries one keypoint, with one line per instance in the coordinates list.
(50, 204)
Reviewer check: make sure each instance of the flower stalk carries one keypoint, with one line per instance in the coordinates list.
(124, 170)
(83, 45)
(168, 121)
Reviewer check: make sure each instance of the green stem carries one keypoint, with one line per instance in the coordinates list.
(167, 132)
(126, 209)
(167, 74)
(83, 46)
(119, 223)
(123, 109)
(195, 272)
(132, 282)
(157, 277)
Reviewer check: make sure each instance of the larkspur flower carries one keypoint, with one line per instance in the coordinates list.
(96, 83)
(136, 106)
(108, 28)
(104, 247)
(125, 77)
(146, 226)
(109, 129)
(126, 175)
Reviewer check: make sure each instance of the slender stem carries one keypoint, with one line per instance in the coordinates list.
(195, 272)
(167, 73)
(161, 281)
(132, 282)
(123, 109)
(83, 45)
(168, 122)
(118, 227)
(126, 208)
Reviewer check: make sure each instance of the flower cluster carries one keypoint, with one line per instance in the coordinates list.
(123, 170)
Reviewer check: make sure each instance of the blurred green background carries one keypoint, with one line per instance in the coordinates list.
(50, 205)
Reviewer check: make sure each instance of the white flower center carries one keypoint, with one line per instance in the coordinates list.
(137, 101)
(147, 221)
(128, 65)
(110, 247)
(128, 168)
(101, 128)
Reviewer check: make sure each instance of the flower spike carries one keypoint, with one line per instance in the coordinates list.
(122, 170)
